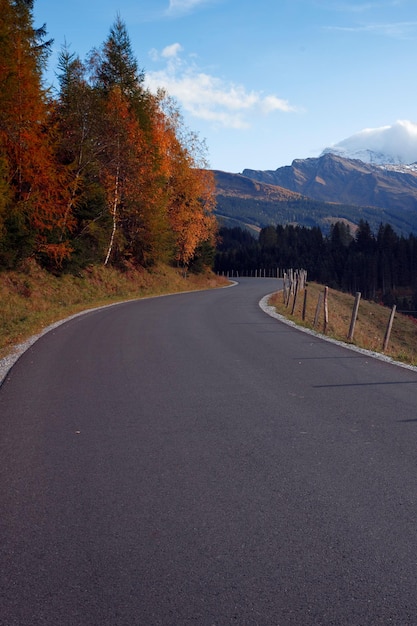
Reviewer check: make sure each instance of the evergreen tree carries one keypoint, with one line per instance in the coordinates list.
(387, 245)
(268, 237)
(340, 239)
(115, 65)
(78, 111)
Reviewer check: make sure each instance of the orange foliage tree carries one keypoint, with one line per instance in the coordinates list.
(191, 186)
(132, 159)
(104, 171)
(37, 193)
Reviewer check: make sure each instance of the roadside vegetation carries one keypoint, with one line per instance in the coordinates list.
(370, 327)
(32, 298)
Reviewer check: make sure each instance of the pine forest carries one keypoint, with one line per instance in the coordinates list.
(382, 266)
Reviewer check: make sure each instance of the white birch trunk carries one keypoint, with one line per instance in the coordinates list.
(114, 215)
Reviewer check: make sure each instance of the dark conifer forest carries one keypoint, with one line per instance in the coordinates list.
(381, 265)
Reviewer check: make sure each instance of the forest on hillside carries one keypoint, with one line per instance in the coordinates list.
(239, 210)
(100, 172)
(381, 265)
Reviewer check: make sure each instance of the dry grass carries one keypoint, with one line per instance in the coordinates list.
(32, 299)
(370, 327)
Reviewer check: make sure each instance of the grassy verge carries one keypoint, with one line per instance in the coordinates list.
(32, 299)
(370, 327)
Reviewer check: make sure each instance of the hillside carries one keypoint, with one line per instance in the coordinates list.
(242, 201)
(237, 185)
(370, 327)
(254, 201)
(389, 193)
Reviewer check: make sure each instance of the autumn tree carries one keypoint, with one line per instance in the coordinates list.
(191, 208)
(191, 186)
(106, 170)
(156, 240)
(118, 84)
(120, 174)
(36, 221)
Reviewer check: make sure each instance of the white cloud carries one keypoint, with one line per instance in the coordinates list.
(183, 6)
(362, 7)
(208, 97)
(353, 8)
(272, 103)
(171, 51)
(396, 143)
(392, 29)
(154, 55)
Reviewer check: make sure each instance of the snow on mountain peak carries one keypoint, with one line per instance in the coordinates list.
(387, 145)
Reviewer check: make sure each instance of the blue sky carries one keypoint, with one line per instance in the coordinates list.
(261, 81)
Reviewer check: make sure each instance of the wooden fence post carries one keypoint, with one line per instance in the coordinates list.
(295, 295)
(305, 304)
(290, 291)
(354, 316)
(318, 307)
(389, 328)
(326, 308)
(284, 287)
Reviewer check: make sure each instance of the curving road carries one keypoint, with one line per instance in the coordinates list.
(190, 460)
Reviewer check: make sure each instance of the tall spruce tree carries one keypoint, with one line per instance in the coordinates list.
(78, 111)
(117, 66)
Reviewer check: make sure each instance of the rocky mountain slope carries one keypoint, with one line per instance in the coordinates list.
(246, 202)
(331, 178)
(318, 191)
(241, 186)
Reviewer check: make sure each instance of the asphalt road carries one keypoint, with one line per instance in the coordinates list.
(191, 460)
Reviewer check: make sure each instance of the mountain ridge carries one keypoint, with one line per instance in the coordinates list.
(332, 178)
(319, 191)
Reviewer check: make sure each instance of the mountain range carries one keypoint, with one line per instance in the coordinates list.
(380, 187)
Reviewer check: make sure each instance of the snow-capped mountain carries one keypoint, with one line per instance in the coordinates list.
(371, 175)
(393, 147)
